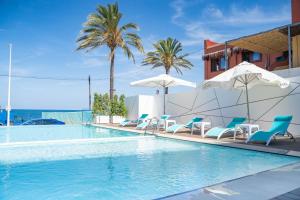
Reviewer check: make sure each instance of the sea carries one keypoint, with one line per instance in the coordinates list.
(19, 116)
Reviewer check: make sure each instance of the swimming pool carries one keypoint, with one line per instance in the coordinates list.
(54, 132)
(136, 168)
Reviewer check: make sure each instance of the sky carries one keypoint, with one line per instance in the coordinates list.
(44, 32)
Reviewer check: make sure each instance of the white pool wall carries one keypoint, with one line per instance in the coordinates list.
(267, 102)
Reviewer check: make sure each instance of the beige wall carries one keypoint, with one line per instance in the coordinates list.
(296, 50)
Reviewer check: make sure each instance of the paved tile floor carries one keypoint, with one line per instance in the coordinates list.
(269, 185)
(292, 195)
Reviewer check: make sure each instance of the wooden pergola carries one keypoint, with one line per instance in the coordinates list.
(268, 42)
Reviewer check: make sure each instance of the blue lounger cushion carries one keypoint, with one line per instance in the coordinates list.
(261, 136)
(219, 131)
(279, 127)
(174, 128)
(127, 122)
(215, 132)
(142, 125)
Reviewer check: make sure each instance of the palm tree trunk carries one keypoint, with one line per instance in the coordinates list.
(111, 81)
(166, 88)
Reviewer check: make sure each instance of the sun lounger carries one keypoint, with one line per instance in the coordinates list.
(161, 123)
(176, 127)
(128, 122)
(154, 123)
(279, 128)
(218, 132)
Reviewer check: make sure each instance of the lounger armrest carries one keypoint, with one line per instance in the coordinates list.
(260, 132)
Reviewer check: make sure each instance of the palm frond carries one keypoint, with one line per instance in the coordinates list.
(102, 29)
(134, 40)
(167, 55)
(129, 26)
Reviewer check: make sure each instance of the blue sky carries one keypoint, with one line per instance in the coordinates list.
(43, 34)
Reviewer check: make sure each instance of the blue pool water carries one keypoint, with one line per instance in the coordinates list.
(54, 132)
(123, 168)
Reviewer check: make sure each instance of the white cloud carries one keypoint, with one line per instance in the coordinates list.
(149, 41)
(31, 54)
(197, 31)
(254, 15)
(95, 62)
(89, 60)
(99, 52)
(196, 55)
(213, 12)
(138, 72)
(177, 5)
(21, 71)
(213, 22)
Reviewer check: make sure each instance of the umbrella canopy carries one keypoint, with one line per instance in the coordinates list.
(163, 81)
(244, 76)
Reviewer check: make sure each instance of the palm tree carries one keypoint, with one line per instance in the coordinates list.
(166, 55)
(103, 28)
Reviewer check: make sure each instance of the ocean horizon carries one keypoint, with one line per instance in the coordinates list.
(19, 116)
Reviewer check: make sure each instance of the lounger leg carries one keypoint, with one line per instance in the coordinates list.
(234, 134)
(247, 141)
(268, 142)
(221, 134)
(291, 136)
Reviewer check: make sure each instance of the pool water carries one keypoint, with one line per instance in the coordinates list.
(136, 168)
(54, 132)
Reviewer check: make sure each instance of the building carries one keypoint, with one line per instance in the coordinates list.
(274, 49)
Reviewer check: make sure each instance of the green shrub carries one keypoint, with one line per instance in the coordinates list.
(97, 108)
(122, 106)
(114, 106)
(103, 106)
(106, 104)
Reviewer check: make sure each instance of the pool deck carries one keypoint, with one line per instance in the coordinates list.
(282, 146)
(277, 184)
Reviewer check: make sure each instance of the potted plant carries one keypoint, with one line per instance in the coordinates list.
(103, 107)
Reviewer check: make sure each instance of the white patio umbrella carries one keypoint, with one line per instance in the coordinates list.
(244, 76)
(163, 81)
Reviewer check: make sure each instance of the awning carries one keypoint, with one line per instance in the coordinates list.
(267, 42)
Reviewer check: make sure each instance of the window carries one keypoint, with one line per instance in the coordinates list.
(283, 57)
(214, 65)
(218, 64)
(250, 56)
(246, 56)
(255, 57)
(222, 63)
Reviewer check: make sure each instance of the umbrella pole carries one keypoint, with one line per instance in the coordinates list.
(164, 101)
(248, 109)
